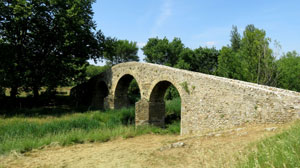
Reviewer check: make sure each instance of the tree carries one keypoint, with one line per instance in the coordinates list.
(289, 71)
(13, 38)
(258, 61)
(49, 41)
(185, 59)
(249, 59)
(229, 65)
(206, 60)
(156, 50)
(174, 50)
(202, 60)
(93, 70)
(118, 51)
(161, 51)
(235, 39)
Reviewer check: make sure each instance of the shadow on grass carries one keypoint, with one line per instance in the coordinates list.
(30, 107)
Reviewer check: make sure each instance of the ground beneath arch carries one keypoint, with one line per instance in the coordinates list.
(219, 149)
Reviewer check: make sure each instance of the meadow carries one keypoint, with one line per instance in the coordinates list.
(35, 128)
(30, 130)
(280, 150)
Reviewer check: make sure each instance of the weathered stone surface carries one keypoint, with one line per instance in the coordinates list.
(208, 102)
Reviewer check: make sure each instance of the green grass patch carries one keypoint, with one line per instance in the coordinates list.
(23, 134)
(173, 110)
(281, 150)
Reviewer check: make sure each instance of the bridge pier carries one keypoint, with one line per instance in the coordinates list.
(149, 113)
(111, 102)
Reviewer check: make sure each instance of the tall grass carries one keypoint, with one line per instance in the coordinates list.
(24, 134)
(281, 150)
(173, 110)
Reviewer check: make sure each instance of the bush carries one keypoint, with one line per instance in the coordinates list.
(173, 110)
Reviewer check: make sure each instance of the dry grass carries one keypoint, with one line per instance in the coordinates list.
(149, 151)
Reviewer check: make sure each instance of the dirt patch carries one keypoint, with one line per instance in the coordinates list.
(219, 149)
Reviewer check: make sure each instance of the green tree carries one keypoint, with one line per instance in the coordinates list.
(249, 59)
(258, 61)
(186, 57)
(161, 51)
(118, 51)
(289, 71)
(13, 37)
(229, 64)
(235, 39)
(50, 42)
(174, 49)
(93, 70)
(204, 60)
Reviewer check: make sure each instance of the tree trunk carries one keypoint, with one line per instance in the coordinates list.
(35, 92)
(13, 92)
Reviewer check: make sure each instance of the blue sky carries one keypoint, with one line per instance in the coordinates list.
(198, 22)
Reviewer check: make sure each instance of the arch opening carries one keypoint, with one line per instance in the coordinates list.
(164, 105)
(127, 92)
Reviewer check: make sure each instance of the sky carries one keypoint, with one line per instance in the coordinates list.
(198, 22)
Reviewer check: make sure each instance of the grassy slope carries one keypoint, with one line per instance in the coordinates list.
(23, 134)
(281, 150)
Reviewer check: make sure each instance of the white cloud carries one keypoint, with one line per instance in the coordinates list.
(165, 13)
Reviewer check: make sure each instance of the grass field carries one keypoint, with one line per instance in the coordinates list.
(23, 133)
(281, 150)
(36, 128)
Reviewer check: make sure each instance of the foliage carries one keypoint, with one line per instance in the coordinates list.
(259, 64)
(43, 38)
(229, 64)
(249, 59)
(185, 86)
(118, 51)
(133, 92)
(235, 39)
(161, 51)
(93, 70)
(201, 59)
(173, 110)
(289, 71)
(281, 150)
(174, 54)
(171, 93)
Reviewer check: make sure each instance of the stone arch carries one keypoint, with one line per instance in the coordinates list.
(157, 103)
(121, 91)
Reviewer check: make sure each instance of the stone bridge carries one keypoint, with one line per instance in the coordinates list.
(207, 102)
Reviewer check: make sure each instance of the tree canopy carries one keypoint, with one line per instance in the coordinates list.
(175, 54)
(289, 71)
(249, 58)
(118, 51)
(46, 43)
(161, 51)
